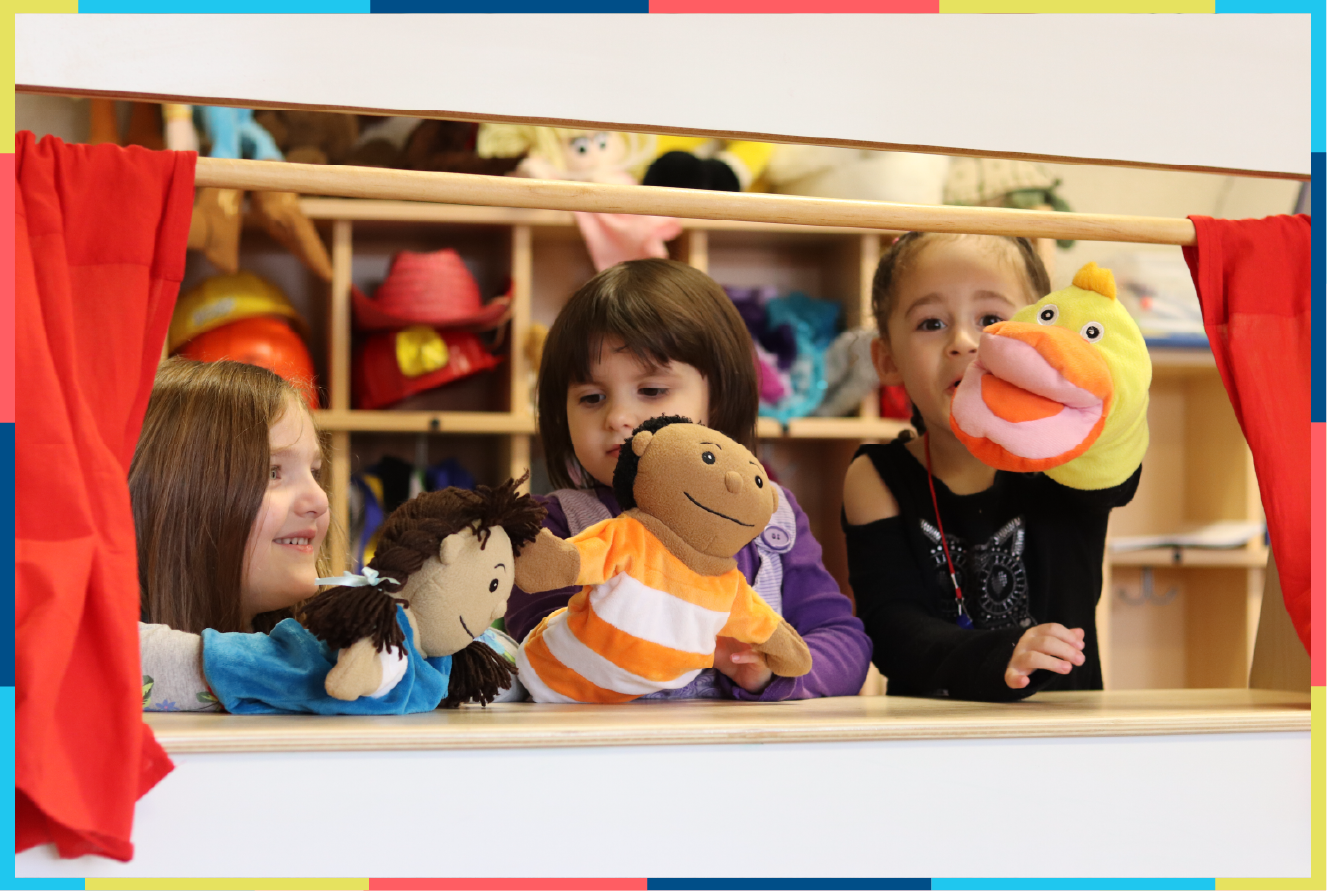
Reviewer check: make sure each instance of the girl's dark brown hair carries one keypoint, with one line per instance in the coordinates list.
(894, 263)
(663, 311)
(410, 536)
(196, 484)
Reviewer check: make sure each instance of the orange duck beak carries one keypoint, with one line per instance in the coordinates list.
(1035, 397)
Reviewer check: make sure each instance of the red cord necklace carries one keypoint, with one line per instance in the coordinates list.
(964, 621)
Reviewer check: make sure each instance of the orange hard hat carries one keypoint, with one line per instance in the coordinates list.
(262, 340)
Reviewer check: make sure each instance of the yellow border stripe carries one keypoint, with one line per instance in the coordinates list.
(7, 60)
(226, 884)
(1317, 826)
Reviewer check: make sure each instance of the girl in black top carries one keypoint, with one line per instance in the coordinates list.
(1026, 551)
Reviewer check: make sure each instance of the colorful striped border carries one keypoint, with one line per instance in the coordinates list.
(1318, 480)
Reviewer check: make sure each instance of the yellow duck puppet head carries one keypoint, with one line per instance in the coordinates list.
(1061, 388)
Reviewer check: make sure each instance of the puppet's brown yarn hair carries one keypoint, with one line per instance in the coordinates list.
(342, 615)
(410, 536)
(478, 675)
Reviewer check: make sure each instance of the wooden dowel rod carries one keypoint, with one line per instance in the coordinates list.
(508, 191)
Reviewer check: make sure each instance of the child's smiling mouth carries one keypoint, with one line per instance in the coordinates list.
(302, 542)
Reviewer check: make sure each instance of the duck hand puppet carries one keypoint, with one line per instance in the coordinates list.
(1061, 388)
(660, 582)
(409, 634)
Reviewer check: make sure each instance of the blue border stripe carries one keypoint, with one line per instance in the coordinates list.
(1318, 49)
(786, 884)
(7, 812)
(1076, 884)
(7, 559)
(1306, 7)
(1319, 317)
(512, 6)
(1318, 135)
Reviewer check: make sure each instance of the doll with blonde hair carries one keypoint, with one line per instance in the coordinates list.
(589, 156)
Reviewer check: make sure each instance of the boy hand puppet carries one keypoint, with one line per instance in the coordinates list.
(660, 582)
(1061, 387)
(409, 634)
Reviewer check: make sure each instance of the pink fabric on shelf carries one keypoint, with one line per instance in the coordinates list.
(613, 238)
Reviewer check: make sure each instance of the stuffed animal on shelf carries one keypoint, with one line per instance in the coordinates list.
(588, 156)
(311, 137)
(408, 143)
(698, 162)
(408, 634)
(1061, 387)
(215, 226)
(660, 580)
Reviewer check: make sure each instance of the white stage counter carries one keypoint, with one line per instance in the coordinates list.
(1184, 783)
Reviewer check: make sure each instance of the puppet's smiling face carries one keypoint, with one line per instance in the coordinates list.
(708, 489)
(458, 594)
(1048, 383)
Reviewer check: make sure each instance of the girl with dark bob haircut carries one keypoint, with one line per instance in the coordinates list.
(662, 311)
(648, 338)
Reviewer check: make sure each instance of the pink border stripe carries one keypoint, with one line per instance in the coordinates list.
(7, 295)
(793, 6)
(1318, 529)
(508, 884)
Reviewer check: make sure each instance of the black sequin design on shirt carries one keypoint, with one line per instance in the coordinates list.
(992, 576)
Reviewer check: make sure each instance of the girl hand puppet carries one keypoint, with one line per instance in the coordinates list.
(410, 634)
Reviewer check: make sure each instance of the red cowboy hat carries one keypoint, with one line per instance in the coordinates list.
(390, 366)
(427, 289)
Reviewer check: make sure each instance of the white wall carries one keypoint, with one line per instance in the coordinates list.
(51, 115)
(1159, 193)
(1229, 91)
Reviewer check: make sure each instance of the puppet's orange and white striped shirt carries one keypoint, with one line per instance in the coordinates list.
(644, 621)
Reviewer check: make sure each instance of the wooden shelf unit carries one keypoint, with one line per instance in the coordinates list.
(543, 255)
(1185, 617)
(1198, 468)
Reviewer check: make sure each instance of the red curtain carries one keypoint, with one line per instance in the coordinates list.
(100, 236)
(1254, 278)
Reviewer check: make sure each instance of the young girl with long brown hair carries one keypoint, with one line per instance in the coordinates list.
(230, 513)
(231, 518)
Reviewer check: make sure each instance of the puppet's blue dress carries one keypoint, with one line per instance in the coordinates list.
(283, 673)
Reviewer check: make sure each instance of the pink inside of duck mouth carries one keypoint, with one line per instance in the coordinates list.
(1040, 439)
(1019, 363)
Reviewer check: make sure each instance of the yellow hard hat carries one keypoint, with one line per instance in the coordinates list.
(223, 299)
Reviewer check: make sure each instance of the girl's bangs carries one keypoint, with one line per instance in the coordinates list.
(652, 348)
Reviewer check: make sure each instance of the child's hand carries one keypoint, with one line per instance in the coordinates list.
(744, 666)
(1050, 646)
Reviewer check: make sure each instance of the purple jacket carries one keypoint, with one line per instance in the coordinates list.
(812, 603)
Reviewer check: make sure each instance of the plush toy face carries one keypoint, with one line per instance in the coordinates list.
(706, 488)
(590, 152)
(1055, 378)
(458, 594)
